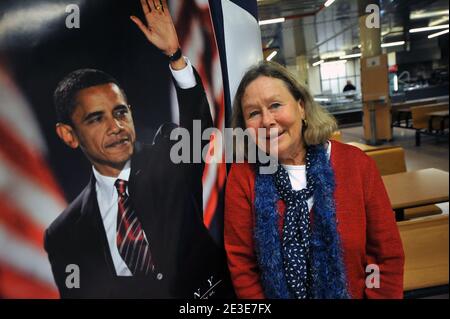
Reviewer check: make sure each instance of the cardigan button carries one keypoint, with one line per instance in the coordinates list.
(159, 276)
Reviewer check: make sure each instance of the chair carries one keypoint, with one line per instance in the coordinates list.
(425, 243)
(390, 160)
(337, 136)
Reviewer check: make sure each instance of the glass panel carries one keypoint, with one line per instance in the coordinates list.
(326, 87)
(334, 86)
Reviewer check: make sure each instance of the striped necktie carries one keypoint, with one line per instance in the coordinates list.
(131, 240)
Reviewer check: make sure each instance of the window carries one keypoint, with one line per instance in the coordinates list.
(334, 75)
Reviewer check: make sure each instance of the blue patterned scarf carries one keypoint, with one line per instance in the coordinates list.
(307, 261)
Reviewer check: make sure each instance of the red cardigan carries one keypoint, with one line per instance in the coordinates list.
(366, 225)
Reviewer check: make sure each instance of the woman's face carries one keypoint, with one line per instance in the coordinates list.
(267, 103)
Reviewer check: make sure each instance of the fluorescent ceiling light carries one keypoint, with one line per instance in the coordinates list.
(270, 43)
(272, 55)
(437, 34)
(438, 21)
(422, 14)
(272, 21)
(350, 56)
(321, 99)
(329, 3)
(392, 44)
(336, 62)
(436, 27)
(318, 63)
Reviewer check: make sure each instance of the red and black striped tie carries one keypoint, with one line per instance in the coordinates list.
(131, 240)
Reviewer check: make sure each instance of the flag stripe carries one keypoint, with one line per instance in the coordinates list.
(32, 199)
(29, 163)
(17, 285)
(21, 255)
(18, 223)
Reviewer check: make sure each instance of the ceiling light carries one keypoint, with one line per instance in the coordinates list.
(321, 99)
(422, 14)
(329, 3)
(272, 21)
(350, 56)
(436, 27)
(318, 63)
(438, 21)
(437, 34)
(392, 44)
(272, 55)
(336, 62)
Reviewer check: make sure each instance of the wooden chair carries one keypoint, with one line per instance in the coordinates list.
(337, 136)
(425, 242)
(389, 160)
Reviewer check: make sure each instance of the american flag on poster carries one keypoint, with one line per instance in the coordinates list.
(196, 36)
(29, 199)
(215, 35)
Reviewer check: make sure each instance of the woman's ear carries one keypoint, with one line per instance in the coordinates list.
(301, 108)
(67, 134)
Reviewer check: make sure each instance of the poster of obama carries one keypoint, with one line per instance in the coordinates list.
(91, 91)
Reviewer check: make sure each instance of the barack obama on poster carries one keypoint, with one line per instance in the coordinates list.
(136, 230)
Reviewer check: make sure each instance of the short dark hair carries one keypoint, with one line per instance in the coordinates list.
(65, 93)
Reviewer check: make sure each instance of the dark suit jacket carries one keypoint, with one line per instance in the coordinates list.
(168, 200)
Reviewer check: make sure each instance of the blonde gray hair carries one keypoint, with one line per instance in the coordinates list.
(320, 124)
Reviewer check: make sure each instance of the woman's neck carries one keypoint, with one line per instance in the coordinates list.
(296, 158)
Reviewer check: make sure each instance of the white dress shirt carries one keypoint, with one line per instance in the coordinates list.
(107, 196)
(185, 78)
(297, 175)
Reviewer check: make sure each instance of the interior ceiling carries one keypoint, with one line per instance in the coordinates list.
(395, 14)
(275, 8)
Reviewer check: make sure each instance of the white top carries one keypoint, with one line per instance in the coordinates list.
(107, 196)
(297, 175)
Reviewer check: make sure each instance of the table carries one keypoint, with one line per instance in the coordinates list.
(405, 113)
(369, 148)
(429, 100)
(416, 188)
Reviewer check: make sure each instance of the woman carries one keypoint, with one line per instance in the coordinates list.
(310, 229)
